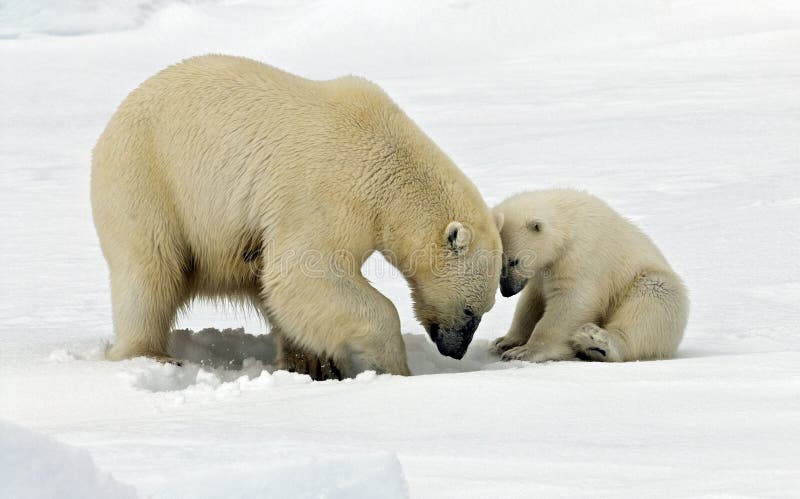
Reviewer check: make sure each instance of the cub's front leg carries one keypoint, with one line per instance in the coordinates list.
(530, 308)
(550, 339)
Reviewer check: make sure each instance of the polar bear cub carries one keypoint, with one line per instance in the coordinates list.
(593, 285)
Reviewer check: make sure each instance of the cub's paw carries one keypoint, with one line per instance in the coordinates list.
(517, 353)
(591, 342)
(539, 353)
(504, 343)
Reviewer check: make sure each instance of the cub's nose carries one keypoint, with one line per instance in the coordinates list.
(510, 286)
(507, 266)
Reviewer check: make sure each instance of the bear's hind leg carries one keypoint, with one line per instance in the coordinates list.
(148, 287)
(141, 240)
(144, 309)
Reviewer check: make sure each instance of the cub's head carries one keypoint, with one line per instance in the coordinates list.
(531, 239)
(454, 283)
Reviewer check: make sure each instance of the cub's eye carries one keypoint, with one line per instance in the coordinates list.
(513, 263)
(468, 312)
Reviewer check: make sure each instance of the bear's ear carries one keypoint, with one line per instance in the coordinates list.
(535, 225)
(499, 218)
(457, 236)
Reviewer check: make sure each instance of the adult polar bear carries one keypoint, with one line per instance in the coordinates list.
(222, 176)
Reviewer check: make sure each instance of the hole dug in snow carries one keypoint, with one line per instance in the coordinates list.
(230, 361)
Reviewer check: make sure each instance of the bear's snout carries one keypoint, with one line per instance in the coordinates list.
(453, 342)
(509, 286)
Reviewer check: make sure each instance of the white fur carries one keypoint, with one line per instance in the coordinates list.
(224, 177)
(597, 287)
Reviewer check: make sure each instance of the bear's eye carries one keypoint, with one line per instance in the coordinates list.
(513, 263)
(535, 226)
(468, 312)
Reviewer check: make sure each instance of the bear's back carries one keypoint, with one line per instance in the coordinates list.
(599, 236)
(252, 86)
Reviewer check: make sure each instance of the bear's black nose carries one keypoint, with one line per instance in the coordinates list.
(453, 342)
(434, 332)
(510, 286)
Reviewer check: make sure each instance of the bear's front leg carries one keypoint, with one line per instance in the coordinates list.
(530, 308)
(292, 358)
(551, 337)
(339, 316)
(540, 352)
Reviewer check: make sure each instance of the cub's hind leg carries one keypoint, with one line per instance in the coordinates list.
(591, 342)
(648, 324)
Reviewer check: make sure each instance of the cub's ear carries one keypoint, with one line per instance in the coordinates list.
(535, 225)
(499, 218)
(457, 236)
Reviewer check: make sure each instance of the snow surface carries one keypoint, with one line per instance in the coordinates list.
(33, 465)
(683, 114)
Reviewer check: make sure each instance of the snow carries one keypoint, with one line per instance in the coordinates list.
(21, 18)
(33, 465)
(683, 114)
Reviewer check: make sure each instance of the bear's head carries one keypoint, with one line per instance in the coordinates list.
(531, 239)
(454, 283)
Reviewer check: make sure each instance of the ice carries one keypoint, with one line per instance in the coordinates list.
(20, 18)
(291, 475)
(36, 466)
